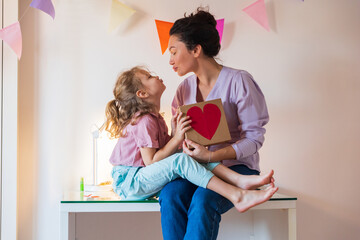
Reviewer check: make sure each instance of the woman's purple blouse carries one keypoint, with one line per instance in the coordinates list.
(245, 110)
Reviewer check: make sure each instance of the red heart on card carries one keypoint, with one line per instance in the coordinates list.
(205, 121)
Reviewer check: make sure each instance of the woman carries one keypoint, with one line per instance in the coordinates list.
(188, 211)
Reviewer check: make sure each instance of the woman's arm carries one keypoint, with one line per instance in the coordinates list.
(252, 115)
(202, 154)
(151, 155)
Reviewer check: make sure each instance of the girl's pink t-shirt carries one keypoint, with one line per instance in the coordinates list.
(149, 131)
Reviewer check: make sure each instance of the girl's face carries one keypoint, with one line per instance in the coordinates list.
(153, 85)
(182, 60)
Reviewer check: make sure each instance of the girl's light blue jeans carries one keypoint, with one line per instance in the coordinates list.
(136, 183)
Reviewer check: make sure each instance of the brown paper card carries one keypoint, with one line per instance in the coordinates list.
(209, 125)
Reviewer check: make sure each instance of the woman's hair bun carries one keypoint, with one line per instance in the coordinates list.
(202, 16)
(198, 28)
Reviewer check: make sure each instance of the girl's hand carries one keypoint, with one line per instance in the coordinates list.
(182, 125)
(199, 153)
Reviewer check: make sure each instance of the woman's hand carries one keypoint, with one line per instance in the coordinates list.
(181, 126)
(199, 153)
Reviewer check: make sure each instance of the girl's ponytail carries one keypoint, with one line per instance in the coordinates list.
(112, 119)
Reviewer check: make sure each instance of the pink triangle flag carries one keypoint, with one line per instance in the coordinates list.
(220, 27)
(45, 6)
(257, 11)
(12, 36)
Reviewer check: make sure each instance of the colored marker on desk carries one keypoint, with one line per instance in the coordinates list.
(82, 184)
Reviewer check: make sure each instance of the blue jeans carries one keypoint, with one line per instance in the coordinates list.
(135, 183)
(189, 212)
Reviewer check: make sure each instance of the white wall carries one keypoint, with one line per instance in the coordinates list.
(307, 67)
(9, 134)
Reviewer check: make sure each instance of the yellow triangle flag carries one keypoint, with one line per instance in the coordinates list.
(163, 29)
(119, 13)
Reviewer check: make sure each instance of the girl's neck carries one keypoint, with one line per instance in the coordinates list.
(156, 104)
(208, 71)
(157, 109)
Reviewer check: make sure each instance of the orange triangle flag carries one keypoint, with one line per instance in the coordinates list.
(163, 29)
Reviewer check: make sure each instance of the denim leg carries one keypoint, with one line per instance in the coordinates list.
(174, 201)
(204, 214)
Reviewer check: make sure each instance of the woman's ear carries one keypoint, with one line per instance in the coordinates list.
(197, 50)
(142, 94)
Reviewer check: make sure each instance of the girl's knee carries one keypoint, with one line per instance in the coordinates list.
(180, 158)
(183, 157)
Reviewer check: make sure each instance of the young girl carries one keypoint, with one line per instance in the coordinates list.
(144, 158)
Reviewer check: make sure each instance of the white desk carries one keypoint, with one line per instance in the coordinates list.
(75, 202)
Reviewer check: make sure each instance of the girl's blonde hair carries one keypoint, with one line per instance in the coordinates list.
(121, 110)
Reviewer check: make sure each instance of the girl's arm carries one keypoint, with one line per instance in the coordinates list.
(151, 155)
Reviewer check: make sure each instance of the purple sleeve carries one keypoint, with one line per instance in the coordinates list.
(252, 114)
(146, 132)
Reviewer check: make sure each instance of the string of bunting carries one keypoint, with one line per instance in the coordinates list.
(120, 12)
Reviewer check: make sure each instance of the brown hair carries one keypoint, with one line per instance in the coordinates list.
(124, 108)
(198, 28)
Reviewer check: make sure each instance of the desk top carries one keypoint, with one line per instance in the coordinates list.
(111, 197)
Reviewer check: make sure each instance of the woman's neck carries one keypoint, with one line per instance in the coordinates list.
(208, 71)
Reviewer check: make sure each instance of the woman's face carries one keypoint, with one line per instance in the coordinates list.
(181, 58)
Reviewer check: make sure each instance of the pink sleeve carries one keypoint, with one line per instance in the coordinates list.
(146, 132)
(177, 100)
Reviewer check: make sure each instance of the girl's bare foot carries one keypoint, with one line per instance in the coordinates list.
(250, 182)
(251, 198)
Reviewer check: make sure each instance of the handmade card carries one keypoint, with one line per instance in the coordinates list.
(208, 124)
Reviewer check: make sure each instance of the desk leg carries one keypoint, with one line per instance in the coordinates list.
(292, 223)
(67, 226)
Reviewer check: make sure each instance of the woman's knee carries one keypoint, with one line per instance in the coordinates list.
(176, 192)
(209, 201)
(205, 198)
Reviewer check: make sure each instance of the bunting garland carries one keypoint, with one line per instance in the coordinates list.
(119, 12)
(163, 29)
(220, 27)
(12, 36)
(257, 11)
(44, 5)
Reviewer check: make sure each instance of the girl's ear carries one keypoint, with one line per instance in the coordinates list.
(197, 50)
(142, 94)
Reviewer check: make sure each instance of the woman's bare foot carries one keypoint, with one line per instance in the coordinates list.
(250, 182)
(251, 198)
